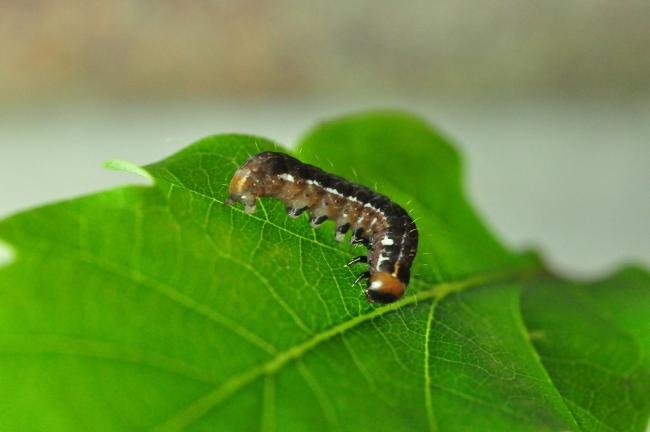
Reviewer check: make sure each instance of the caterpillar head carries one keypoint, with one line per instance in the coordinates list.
(256, 178)
(383, 287)
(244, 188)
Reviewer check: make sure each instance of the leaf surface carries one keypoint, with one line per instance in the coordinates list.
(145, 307)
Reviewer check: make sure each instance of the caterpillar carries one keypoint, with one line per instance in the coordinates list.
(375, 221)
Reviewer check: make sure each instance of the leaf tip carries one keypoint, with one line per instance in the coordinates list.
(126, 166)
(7, 254)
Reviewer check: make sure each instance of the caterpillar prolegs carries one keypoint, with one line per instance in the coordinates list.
(374, 220)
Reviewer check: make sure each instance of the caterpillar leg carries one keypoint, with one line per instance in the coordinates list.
(248, 200)
(364, 275)
(316, 221)
(341, 230)
(358, 237)
(294, 212)
(363, 259)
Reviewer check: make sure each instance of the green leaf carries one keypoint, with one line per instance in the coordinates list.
(594, 341)
(145, 307)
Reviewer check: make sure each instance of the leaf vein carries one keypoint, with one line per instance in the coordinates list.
(428, 402)
(323, 400)
(212, 399)
(103, 350)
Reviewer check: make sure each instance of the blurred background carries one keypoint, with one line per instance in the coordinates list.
(548, 100)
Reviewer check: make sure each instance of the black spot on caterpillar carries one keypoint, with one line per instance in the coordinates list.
(383, 226)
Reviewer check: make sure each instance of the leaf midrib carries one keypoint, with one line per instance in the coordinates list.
(204, 404)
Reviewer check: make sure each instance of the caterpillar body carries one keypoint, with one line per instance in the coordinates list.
(374, 220)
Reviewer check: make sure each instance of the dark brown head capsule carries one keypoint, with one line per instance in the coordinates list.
(376, 221)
